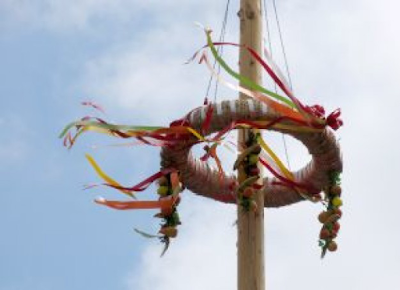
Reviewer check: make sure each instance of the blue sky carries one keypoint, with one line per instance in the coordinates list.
(46, 243)
(127, 56)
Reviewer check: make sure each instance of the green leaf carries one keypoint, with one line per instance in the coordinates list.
(146, 235)
(166, 242)
(248, 182)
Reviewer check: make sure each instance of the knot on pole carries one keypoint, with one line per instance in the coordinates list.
(249, 11)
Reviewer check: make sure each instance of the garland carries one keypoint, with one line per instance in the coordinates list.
(290, 115)
(331, 215)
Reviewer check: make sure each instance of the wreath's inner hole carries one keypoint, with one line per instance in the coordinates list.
(227, 152)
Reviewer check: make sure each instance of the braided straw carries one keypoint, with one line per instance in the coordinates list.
(204, 180)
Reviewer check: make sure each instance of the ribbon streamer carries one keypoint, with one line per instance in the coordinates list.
(163, 203)
(278, 107)
(242, 79)
(145, 183)
(105, 177)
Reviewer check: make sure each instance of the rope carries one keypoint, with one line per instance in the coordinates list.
(268, 34)
(220, 52)
(286, 64)
(282, 45)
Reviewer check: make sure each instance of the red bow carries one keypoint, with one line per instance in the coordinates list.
(333, 120)
(316, 110)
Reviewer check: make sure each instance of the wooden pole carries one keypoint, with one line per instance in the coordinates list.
(251, 273)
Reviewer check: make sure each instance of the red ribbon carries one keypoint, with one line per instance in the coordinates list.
(286, 181)
(145, 183)
(207, 121)
(254, 125)
(268, 69)
(318, 111)
(93, 105)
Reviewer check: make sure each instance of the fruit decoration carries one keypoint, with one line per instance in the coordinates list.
(247, 163)
(332, 214)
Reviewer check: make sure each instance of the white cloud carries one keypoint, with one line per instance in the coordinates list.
(201, 257)
(56, 15)
(145, 82)
(147, 78)
(50, 13)
(80, 15)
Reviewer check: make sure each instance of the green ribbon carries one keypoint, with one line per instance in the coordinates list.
(242, 79)
(107, 127)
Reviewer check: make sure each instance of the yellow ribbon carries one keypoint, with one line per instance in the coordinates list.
(282, 167)
(295, 128)
(195, 133)
(104, 176)
(288, 174)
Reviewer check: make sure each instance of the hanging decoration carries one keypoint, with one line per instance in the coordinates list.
(210, 125)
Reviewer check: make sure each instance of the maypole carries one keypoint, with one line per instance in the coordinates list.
(256, 109)
(251, 273)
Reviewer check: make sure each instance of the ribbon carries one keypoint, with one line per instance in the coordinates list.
(162, 203)
(250, 84)
(171, 135)
(291, 183)
(271, 68)
(270, 72)
(276, 106)
(93, 105)
(207, 121)
(271, 153)
(143, 185)
(212, 152)
(105, 177)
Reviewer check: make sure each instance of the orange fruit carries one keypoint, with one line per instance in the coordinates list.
(323, 216)
(332, 247)
(170, 232)
(324, 234)
(336, 190)
(163, 180)
(336, 227)
(248, 192)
